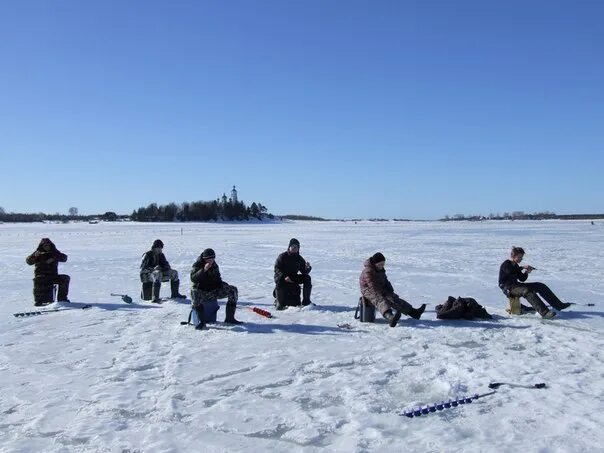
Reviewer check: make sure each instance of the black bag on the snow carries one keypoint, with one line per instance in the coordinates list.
(461, 308)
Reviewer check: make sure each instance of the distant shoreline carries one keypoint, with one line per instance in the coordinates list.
(277, 219)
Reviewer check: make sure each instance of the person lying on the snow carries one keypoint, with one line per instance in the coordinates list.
(156, 269)
(208, 286)
(511, 281)
(46, 273)
(376, 288)
(292, 270)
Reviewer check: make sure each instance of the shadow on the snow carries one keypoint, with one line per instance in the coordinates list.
(304, 329)
(186, 301)
(579, 314)
(436, 323)
(335, 308)
(244, 303)
(111, 306)
(330, 308)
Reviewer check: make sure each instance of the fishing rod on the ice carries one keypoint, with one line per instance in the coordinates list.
(434, 407)
(531, 268)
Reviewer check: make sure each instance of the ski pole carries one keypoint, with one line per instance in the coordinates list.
(585, 305)
(429, 408)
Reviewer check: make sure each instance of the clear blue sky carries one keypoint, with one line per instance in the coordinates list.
(331, 108)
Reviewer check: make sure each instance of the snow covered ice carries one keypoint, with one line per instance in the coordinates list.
(128, 378)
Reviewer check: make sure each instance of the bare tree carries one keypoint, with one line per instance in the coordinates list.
(73, 212)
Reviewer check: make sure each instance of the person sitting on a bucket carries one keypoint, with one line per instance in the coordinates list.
(46, 259)
(376, 288)
(208, 286)
(291, 270)
(511, 281)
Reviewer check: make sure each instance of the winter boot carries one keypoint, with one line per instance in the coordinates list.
(392, 318)
(306, 295)
(549, 315)
(200, 317)
(278, 305)
(156, 287)
(146, 291)
(230, 315)
(41, 304)
(174, 284)
(416, 313)
(527, 309)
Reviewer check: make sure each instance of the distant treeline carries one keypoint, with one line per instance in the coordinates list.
(302, 217)
(519, 215)
(200, 211)
(41, 217)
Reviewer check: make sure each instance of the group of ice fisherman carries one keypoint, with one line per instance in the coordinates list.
(291, 273)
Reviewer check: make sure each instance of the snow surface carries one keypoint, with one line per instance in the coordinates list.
(127, 378)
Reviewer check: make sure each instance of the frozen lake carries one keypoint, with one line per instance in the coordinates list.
(127, 378)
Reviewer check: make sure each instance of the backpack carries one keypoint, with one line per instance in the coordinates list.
(461, 308)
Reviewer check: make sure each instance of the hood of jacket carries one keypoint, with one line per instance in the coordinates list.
(44, 242)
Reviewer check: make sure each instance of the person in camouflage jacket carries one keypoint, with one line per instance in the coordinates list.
(208, 286)
(155, 269)
(377, 289)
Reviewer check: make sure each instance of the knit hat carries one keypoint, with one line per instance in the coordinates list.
(378, 258)
(294, 241)
(158, 244)
(208, 253)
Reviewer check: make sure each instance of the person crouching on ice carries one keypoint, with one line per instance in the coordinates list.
(376, 288)
(46, 273)
(511, 282)
(208, 286)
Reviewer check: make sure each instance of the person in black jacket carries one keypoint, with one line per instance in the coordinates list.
(292, 270)
(208, 286)
(156, 269)
(46, 272)
(511, 281)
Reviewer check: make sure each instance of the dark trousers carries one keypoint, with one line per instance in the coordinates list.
(532, 291)
(41, 283)
(391, 301)
(286, 289)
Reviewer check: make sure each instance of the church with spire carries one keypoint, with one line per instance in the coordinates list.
(232, 199)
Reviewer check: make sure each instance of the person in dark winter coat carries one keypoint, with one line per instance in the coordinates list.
(208, 286)
(376, 288)
(292, 270)
(155, 269)
(511, 281)
(46, 259)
